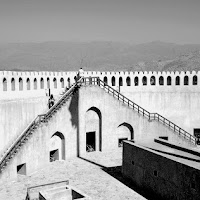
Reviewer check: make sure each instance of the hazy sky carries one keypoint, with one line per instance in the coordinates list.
(135, 21)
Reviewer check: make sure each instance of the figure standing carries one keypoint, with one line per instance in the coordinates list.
(51, 101)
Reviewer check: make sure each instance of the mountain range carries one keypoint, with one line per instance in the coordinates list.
(99, 56)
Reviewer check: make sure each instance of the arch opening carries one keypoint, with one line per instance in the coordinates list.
(161, 80)
(186, 80)
(62, 82)
(136, 81)
(128, 81)
(57, 147)
(124, 132)
(113, 81)
(20, 84)
(93, 130)
(35, 84)
(169, 80)
(144, 80)
(5, 84)
(41, 83)
(12, 84)
(177, 80)
(195, 80)
(28, 84)
(152, 80)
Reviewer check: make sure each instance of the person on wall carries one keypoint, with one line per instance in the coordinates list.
(51, 101)
(80, 74)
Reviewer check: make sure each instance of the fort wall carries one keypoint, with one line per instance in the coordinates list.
(167, 177)
(23, 95)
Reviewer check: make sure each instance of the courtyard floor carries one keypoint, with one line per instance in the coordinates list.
(97, 174)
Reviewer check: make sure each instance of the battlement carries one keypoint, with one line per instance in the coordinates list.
(27, 81)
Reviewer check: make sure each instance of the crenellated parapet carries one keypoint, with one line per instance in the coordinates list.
(30, 82)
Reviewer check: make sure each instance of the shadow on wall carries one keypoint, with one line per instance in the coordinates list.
(74, 111)
(116, 172)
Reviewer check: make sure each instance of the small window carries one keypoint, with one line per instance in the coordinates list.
(195, 79)
(155, 173)
(153, 80)
(113, 81)
(177, 80)
(105, 80)
(21, 169)
(62, 82)
(55, 82)
(186, 80)
(4, 84)
(144, 80)
(120, 81)
(120, 141)
(161, 80)
(35, 84)
(41, 83)
(128, 81)
(193, 186)
(169, 80)
(136, 81)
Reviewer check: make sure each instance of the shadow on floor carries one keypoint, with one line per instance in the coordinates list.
(116, 172)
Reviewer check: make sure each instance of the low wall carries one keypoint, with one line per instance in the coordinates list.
(159, 175)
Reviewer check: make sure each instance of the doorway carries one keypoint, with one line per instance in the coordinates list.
(91, 141)
(54, 155)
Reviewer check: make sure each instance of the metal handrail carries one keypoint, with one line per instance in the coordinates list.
(36, 120)
(139, 109)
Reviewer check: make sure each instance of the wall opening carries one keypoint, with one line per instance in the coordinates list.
(177, 80)
(5, 84)
(195, 80)
(68, 81)
(12, 84)
(57, 146)
(124, 132)
(153, 80)
(161, 80)
(155, 173)
(93, 121)
(62, 82)
(35, 84)
(20, 84)
(169, 80)
(144, 80)
(128, 81)
(21, 169)
(105, 80)
(113, 81)
(90, 141)
(120, 81)
(48, 83)
(163, 137)
(41, 83)
(136, 81)
(55, 83)
(54, 155)
(186, 80)
(28, 84)
(120, 141)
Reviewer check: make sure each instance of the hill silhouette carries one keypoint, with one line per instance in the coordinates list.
(99, 56)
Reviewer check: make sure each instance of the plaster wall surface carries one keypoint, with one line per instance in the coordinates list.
(16, 114)
(71, 122)
(35, 152)
(155, 173)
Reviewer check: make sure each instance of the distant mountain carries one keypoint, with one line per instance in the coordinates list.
(98, 56)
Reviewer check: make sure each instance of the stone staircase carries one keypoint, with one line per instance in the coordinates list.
(86, 81)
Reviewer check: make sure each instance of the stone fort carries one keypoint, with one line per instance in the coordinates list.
(96, 112)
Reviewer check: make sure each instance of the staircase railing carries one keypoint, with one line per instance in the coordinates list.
(139, 109)
(17, 143)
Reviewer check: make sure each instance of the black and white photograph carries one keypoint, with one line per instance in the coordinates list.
(100, 99)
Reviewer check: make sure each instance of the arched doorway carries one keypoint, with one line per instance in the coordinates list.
(124, 132)
(93, 130)
(57, 147)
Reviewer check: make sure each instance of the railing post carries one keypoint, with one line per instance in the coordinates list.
(98, 81)
(118, 95)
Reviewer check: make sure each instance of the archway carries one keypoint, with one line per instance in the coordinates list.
(57, 147)
(124, 132)
(93, 129)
